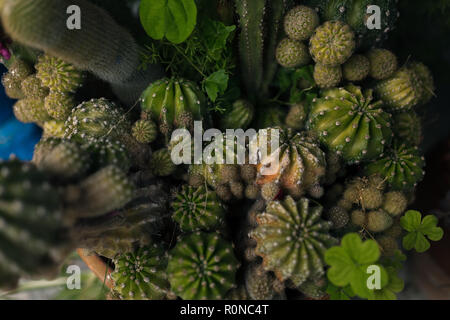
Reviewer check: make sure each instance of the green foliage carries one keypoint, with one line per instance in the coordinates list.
(349, 263)
(339, 293)
(173, 19)
(216, 84)
(419, 230)
(299, 83)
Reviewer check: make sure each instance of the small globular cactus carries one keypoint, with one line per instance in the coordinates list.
(300, 23)
(32, 88)
(197, 209)
(350, 123)
(18, 71)
(174, 103)
(292, 239)
(202, 266)
(357, 68)
(58, 75)
(407, 128)
(401, 166)
(53, 128)
(239, 116)
(326, 76)
(425, 76)
(161, 163)
(31, 110)
(292, 53)
(261, 284)
(141, 275)
(105, 152)
(145, 131)
(301, 164)
(332, 43)
(59, 105)
(383, 63)
(296, 118)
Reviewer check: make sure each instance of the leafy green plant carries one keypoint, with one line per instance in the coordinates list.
(298, 83)
(173, 19)
(349, 262)
(419, 230)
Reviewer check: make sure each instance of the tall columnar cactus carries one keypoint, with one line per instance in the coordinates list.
(202, 266)
(355, 13)
(292, 239)
(101, 46)
(174, 103)
(141, 275)
(402, 167)
(300, 164)
(257, 42)
(197, 209)
(349, 122)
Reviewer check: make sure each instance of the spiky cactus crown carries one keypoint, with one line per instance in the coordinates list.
(350, 123)
(197, 209)
(292, 238)
(202, 266)
(300, 22)
(141, 274)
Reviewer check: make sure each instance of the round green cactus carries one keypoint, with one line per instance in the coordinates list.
(13, 86)
(53, 128)
(292, 239)
(59, 105)
(296, 118)
(162, 164)
(202, 266)
(19, 69)
(301, 163)
(145, 131)
(407, 127)
(58, 75)
(260, 284)
(34, 239)
(350, 123)
(427, 80)
(174, 103)
(300, 23)
(354, 13)
(356, 68)
(292, 53)
(401, 166)
(31, 110)
(327, 77)
(141, 275)
(402, 91)
(197, 209)
(32, 88)
(239, 116)
(383, 63)
(332, 44)
(105, 152)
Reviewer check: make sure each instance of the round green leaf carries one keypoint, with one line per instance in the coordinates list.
(173, 19)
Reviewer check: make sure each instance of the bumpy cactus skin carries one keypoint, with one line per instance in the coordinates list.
(197, 209)
(356, 68)
(402, 166)
(58, 75)
(301, 163)
(239, 116)
(32, 231)
(332, 44)
(174, 103)
(327, 77)
(300, 22)
(408, 128)
(33, 88)
(350, 123)
(425, 76)
(145, 131)
(383, 63)
(292, 239)
(59, 105)
(31, 110)
(141, 275)
(292, 53)
(202, 266)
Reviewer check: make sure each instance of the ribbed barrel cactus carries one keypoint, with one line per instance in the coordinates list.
(239, 115)
(408, 128)
(351, 123)
(202, 266)
(355, 13)
(141, 275)
(300, 165)
(402, 167)
(174, 103)
(292, 239)
(197, 209)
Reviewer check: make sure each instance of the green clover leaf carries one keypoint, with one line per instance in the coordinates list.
(216, 83)
(173, 19)
(419, 229)
(216, 36)
(349, 264)
(395, 285)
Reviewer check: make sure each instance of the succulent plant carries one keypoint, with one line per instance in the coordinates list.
(354, 13)
(401, 166)
(145, 131)
(383, 63)
(197, 209)
(407, 128)
(262, 285)
(292, 238)
(332, 43)
(161, 163)
(292, 53)
(300, 22)
(402, 91)
(34, 237)
(327, 77)
(141, 275)
(59, 105)
(105, 152)
(270, 116)
(426, 78)
(301, 163)
(13, 86)
(31, 110)
(174, 103)
(296, 118)
(350, 123)
(202, 266)
(357, 68)
(32, 88)
(53, 128)
(19, 69)
(239, 116)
